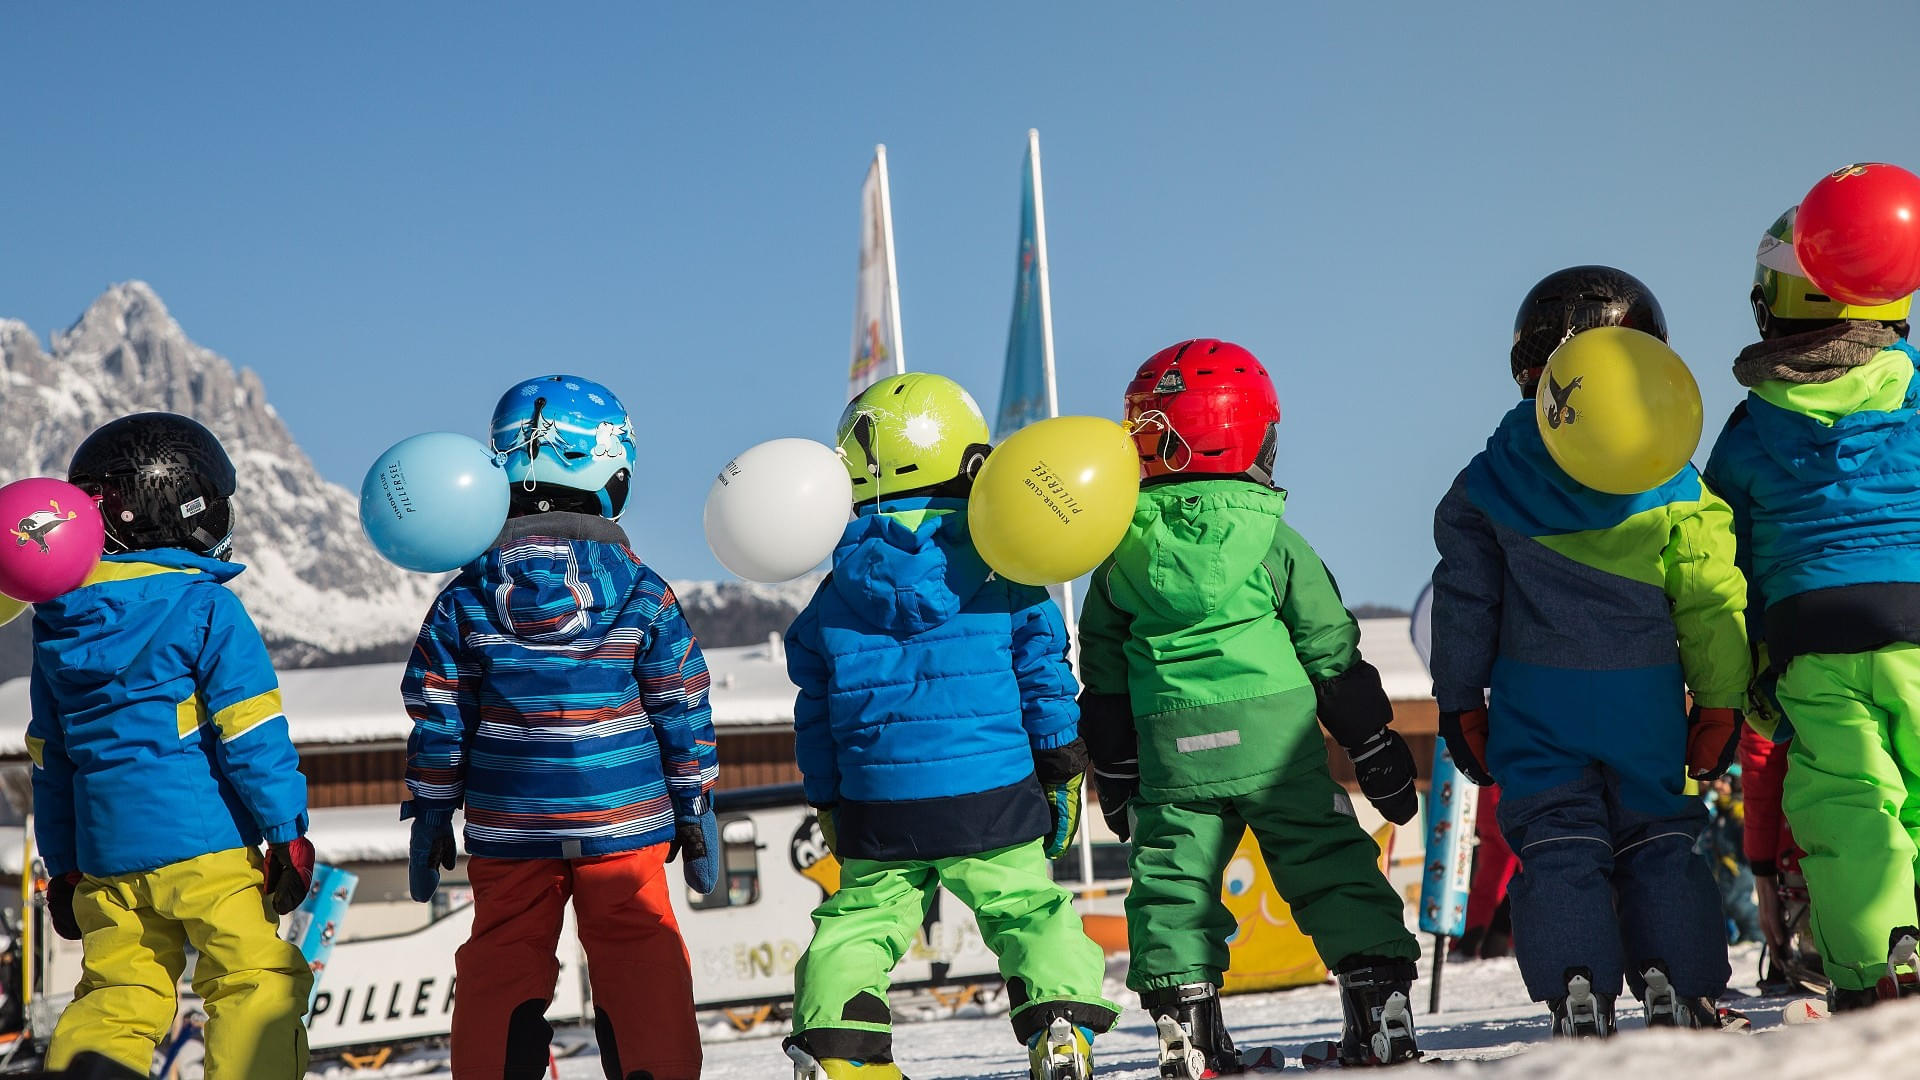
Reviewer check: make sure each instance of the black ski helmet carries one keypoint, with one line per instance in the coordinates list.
(1578, 298)
(163, 480)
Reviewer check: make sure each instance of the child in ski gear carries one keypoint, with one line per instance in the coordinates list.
(161, 761)
(1209, 640)
(1819, 464)
(1780, 889)
(559, 696)
(1589, 615)
(1723, 845)
(937, 734)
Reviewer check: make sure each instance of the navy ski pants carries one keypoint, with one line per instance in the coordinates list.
(1612, 888)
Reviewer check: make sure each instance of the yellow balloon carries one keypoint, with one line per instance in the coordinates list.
(1054, 499)
(1619, 410)
(10, 608)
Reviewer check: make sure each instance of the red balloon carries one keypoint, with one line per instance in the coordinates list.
(1858, 234)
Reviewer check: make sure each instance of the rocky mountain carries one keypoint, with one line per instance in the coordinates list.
(314, 585)
(725, 613)
(319, 593)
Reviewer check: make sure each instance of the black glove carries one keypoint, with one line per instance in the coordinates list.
(1354, 709)
(1386, 772)
(1466, 737)
(1116, 786)
(1113, 748)
(60, 905)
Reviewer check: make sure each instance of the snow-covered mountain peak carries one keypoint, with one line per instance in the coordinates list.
(315, 586)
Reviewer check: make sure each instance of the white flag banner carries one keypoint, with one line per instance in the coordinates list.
(876, 308)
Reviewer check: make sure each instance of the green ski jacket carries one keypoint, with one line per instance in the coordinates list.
(1217, 621)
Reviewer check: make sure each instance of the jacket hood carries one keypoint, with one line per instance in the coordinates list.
(551, 577)
(1518, 484)
(1824, 431)
(90, 635)
(908, 564)
(1192, 541)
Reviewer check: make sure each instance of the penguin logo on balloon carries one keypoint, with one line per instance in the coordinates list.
(37, 526)
(1561, 411)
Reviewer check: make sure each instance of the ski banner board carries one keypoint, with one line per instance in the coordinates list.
(316, 922)
(1451, 804)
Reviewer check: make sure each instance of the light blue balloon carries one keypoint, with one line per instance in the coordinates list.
(434, 502)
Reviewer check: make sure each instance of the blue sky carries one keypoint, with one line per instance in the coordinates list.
(394, 212)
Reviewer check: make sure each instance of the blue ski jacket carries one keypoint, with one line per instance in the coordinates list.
(1824, 482)
(557, 692)
(157, 733)
(1587, 615)
(926, 685)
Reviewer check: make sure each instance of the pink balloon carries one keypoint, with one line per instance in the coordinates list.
(51, 537)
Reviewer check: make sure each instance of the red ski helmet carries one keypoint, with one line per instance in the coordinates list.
(1215, 408)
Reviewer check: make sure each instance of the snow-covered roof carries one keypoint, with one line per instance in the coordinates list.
(361, 704)
(340, 834)
(342, 705)
(1387, 645)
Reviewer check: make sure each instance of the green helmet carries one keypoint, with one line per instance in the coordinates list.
(1781, 289)
(909, 432)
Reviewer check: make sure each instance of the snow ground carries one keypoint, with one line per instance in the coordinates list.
(1488, 1028)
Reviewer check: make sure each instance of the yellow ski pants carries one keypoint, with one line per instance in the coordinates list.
(135, 931)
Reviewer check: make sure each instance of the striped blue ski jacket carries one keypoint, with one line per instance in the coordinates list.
(558, 694)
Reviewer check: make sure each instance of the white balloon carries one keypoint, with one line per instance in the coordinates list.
(778, 509)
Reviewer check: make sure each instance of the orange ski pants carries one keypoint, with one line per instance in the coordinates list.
(636, 963)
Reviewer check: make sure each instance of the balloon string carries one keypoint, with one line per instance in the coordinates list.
(1155, 420)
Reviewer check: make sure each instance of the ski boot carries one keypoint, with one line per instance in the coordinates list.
(808, 1067)
(1666, 1008)
(1194, 1043)
(1379, 1021)
(1903, 965)
(1800, 960)
(1582, 1014)
(1060, 1051)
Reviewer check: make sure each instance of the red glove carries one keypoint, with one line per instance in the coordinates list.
(1466, 737)
(1712, 737)
(60, 905)
(289, 873)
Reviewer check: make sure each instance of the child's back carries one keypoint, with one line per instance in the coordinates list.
(558, 694)
(941, 681)
(162, 761)
(568, 739)
(1820, 465)
(156, 674)
(1211, 640)
(937, 734)
(1589, 616)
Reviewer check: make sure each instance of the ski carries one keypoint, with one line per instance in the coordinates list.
(1804, 1011)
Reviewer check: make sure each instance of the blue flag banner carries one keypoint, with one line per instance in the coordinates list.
(1025, 394)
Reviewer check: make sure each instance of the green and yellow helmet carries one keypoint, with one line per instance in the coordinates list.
(908, 432)
(1781, 288)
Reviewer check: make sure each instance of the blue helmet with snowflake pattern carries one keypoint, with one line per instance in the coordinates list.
(567, 444)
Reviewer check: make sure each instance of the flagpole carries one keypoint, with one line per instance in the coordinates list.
(893, 275)
(1053, 409)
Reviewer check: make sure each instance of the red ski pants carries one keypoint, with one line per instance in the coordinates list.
(1495, 862)
(636, 962)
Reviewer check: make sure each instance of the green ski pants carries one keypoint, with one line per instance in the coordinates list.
(1852, 795)
(861, 932)
(1324, 864)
